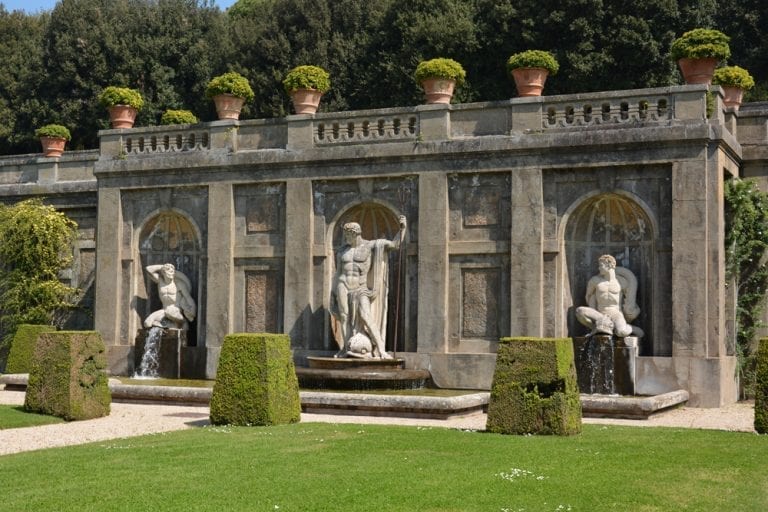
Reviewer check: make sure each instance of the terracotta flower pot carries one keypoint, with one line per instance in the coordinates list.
(306, 101)
(438, 90)
(53, 146)
(529, 81)
(228, 106)
(698, 71)
(122, 116)
(733, 96)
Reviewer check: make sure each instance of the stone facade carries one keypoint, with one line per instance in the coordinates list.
(508, 204)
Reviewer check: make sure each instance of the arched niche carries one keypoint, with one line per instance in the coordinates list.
(170, 237)
(376, 221)
(618, 225)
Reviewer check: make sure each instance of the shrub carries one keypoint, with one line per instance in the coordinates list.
(53, 130)
(112, 96)
(534, 389)
(178, 117)
(733, 76)
(256, 381)
(761, 388)
(448, 69)
(230, 83)
(23, 347)
(534, 59)
(307, 77)
(68, 377)
(701, 43)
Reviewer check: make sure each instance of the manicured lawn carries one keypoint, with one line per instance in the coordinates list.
(326, 467)
(14, 416)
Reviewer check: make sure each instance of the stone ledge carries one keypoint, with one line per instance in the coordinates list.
(630, 407)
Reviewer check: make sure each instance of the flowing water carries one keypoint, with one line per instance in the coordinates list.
(150, 361)
(597, 366)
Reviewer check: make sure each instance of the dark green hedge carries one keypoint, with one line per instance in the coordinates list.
(534, 388)
(256, 381)
(23, 347)
(68, 376)
(761, 388)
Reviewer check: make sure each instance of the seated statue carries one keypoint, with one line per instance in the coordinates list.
(359, 296)
(611, 297)
(174, 289)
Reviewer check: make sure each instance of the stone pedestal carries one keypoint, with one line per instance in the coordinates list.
(605, 364)
(171, 344)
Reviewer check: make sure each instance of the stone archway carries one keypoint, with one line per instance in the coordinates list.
(170, 237)
(379, 221)
(617, 225)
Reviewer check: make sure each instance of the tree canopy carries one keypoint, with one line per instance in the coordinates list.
(56, 63)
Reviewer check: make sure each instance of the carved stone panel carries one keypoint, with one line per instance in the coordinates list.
(262, 304)
(479, 206)
(480, 289)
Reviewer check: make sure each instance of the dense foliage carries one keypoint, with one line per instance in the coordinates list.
(230, 83)
(307, 77)
(534, 59)
(57, 63)
(733, 76)
(35, 245)
(447, 69)
(112, 96)
(746, 242)
(53, 130)
(178, 117)
(701, 43)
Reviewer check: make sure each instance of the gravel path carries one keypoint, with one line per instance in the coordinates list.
(131, 419)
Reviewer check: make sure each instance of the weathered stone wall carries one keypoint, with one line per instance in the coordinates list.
(509, 204)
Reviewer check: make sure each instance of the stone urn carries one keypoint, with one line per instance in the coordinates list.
(122, 116)
(228, 106)
(53, 147)
(438, 90)
(529, 81)
(306, 101)
(698, 71)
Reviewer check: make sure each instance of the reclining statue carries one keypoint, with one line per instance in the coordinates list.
(174, 289)
(611, 301)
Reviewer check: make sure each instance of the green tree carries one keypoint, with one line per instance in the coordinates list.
(167, 49)
(35, 245)
(746, 242)
(21, 110)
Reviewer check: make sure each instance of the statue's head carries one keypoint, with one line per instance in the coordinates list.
(169, 270)
(607, 261)
(351, 232)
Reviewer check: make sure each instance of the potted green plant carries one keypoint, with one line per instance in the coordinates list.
(178, 117)
(530, 70)
(306, 85)
(123, 105)
(53, 137)
(698, 52)
(438, 77)
(734, 81)
(228, 92)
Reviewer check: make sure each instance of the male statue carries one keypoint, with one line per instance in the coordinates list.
(611, 302)
(174, 288)
(359, 297)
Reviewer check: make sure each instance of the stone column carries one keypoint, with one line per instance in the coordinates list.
(298, 262)
(108, 272)
(526, 261)
(432, 331)
(220, 272)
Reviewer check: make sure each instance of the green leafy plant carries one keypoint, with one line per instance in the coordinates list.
(733, 76)
(746, 243)
(113, 95)
(53, 130)
(701, 43)
(35, 245)
(178, 117)
(448, 69)
(230, 83)
(534, 59)
(307, 77)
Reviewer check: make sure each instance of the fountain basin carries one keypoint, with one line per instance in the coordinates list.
(360, 374)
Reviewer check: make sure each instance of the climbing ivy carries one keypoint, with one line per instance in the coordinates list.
(746, 241)
(35, 246)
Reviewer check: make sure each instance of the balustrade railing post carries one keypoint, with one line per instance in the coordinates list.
(434, 122)
(527, 113)
(300, 131)
(110, 143)
(223, 135)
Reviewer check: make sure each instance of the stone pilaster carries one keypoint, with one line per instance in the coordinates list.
(298, 262)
